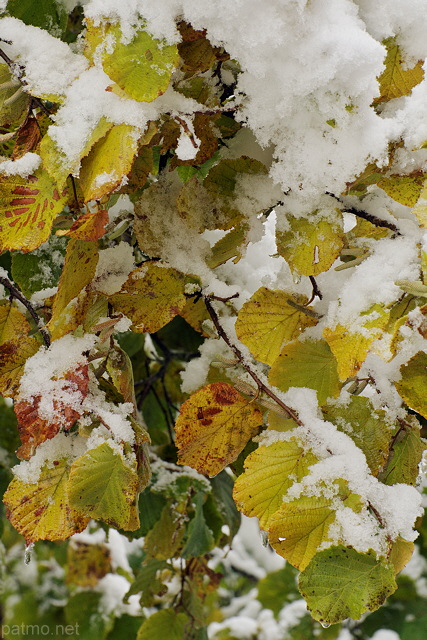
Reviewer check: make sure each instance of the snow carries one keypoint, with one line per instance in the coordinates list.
(23, 166)
(114, 266)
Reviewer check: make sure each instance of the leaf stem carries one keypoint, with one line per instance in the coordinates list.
(15, 293)
(261, 386)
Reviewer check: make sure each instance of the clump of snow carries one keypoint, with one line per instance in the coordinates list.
(23, 166)
(44, 371)
(114, 266)
(50, 65)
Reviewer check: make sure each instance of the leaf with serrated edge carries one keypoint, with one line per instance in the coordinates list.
(267, 321)
(103, 487)
(81, 259)
(412, 387)
(143, 67)
(90, 226)
(401, 553)
(13, 356)
(397, 80)
(28, 207)
(299, 527)
(405, 456)
(269, 472)
(365, 426)
(108, 162)
(342, 583)
(41, 511)
(350, 348)
(310, 364)
(213, 427)
(310, 246)
(151, 297)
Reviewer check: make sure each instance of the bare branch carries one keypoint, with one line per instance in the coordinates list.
(15, 293)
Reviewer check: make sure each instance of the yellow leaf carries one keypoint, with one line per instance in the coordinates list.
(420, 208)
(108, 162)
(79, 269)
(278, 422)
(28, 207)
(268, 320)
(54, 161)
(214, 426)
(269, 472)
(12, 323)
(151, 297)
(311, 246)
(13, 356)
(350, 348)
(14, 102)
(404, 189)
(397, 80)
(143, 67)
(412, 387)
(309, 363)
(298, 528)
(41, 510)
(401, 553)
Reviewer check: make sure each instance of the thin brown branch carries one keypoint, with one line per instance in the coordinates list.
(316, 291)
(15, 293)
(378, 222)
(261, 386)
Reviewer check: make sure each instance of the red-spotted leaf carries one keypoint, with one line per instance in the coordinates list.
(28, 207)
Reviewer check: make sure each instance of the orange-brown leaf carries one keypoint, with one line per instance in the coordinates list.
(90, 226)
(34, 428)
(213, 427)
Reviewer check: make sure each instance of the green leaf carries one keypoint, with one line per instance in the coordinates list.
(342, 583)
(311, 364)
(142, 67)
(46, 14)
(149, 582)
(406, 454)
(103, 487)
(278, 588)
(199, 537)
(41, 268)
(84, 611)
(164, 624)
(222, 492)
(366, 426)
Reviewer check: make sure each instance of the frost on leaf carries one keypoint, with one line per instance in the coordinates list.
(28, 207)
(42, 511)
(213, 427)
(269, 320)
(104, 487)
(269, 472)
(35, 426)
(341, 583)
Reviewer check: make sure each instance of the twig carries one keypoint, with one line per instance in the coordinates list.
(261, 386)
(378, 222)
(27, 304)
(212, 297)
(316, 290)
